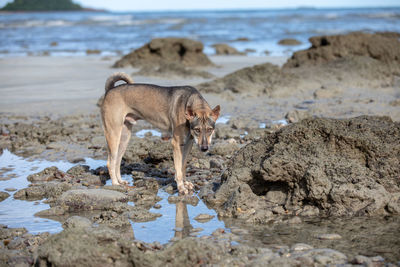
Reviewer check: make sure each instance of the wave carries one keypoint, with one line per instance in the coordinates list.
(35, 23)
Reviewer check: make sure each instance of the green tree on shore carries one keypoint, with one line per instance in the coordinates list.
(41, 5)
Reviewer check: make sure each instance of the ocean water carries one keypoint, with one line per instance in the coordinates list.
(115, 33)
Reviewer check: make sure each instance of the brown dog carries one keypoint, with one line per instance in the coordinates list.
(179, 110)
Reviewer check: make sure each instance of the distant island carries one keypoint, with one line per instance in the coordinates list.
(41, 5)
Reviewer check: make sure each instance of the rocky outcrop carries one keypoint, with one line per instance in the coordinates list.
(261, 78)
(289, 41)
(317, 166)
(180, 50)
(171, 70)
(224, 49)
(382, 47)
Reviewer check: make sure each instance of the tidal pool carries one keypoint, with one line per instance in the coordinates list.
(20, 213)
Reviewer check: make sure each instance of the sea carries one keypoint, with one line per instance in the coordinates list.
(116, 33)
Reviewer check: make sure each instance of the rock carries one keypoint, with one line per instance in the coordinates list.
(112, 219)
(40, 191)
(359, 259)
(328, 236)
(289, 41)
(326, 256)
(142, 196)
(81, 247)
(172, 69)
(225, 131)
(300, 247)
(90, 199)
(149, 151)
(93, 52)
(53, 211)
(77, 222)
(202, 217)
(241, 39)
(257, 79)
(245, 123)
(10, 189)
(216, 164)
(184, 51)
(276, 195)
(327, 92)
(82, 174)
(4, 195)
(338, 167)
(48, 174)
(223, 148)
(250, 50)
(9, 233)
(329, 48)
(224, 49)
(138, 214)
(309, 210)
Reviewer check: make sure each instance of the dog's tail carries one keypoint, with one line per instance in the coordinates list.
(118, 76)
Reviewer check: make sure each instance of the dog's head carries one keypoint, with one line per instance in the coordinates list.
(202, 125)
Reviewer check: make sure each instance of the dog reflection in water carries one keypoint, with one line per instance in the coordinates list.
(182, 223)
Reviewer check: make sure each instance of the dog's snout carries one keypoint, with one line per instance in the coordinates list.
(204, 148)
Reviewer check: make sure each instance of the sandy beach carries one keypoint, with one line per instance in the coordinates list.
(60, 86)
(71, 85)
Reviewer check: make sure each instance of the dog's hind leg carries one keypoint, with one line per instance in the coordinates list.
(123, 144)
(112, 131)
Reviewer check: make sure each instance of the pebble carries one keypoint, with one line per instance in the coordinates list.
(239, 231)
(329, 236)
(300, 247)
(360, 259)
(202, 217)
(10, 189)
(377, 259)
(278, 210)
(157, 206)
(294, 220)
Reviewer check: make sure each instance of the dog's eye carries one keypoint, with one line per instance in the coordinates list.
(196, 130)
(209, 130)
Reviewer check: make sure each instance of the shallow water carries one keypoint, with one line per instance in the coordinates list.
(20, 213)
(369, 236)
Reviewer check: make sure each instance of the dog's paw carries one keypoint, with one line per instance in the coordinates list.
(183, 190)
(122, 182)
(189, 186)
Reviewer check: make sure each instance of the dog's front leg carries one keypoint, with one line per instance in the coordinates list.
(177, 151)
(185, 152)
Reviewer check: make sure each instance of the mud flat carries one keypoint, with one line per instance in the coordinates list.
(303, 171)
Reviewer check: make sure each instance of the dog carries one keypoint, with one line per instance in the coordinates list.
(179, 111)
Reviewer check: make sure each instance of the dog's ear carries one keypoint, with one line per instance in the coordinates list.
(189, 114)
(215, 113)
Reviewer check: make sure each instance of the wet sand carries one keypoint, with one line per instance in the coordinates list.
(60, 86)
(71, 85)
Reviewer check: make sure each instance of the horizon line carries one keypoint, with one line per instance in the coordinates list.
(249, 8)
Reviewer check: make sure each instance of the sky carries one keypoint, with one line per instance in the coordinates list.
(149, 5)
